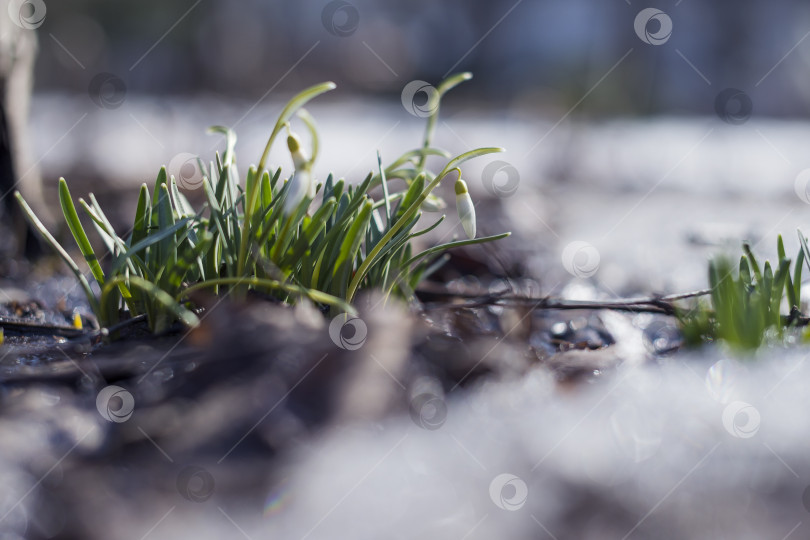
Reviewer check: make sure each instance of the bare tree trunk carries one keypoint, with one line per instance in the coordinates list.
(18, 47)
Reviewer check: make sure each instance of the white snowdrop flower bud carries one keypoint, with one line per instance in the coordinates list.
(300, 188)
(465, 208)
(300, 159)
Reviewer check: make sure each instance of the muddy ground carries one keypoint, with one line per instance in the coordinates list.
(428, 419)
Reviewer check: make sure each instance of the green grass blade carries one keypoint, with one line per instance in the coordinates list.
(351, 242)
(161, 180)
(181, 205)
(444, 87)
(230, 140)
(805, 248)
(167, 246)
(472, 154)
(452, 81)
(752, 260)
(289, 110)
(142, 216)
(797, 278)
(745, 272)
(40, 228)
(158, 295)
(149, 241)
(459, 243)
(386, 197)
(418, 153)
(312, 294)
(309, 121)
(414, 191)
(76, 228)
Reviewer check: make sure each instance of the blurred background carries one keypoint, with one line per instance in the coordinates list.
(641, 129)
(532, 53)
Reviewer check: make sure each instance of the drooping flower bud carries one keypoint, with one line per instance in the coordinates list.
(300, 159)
(301, 184)
(465, 208)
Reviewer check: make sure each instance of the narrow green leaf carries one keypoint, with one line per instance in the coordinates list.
(459, 243)
(230, 140)
(157, 294)
(312, 294)
(414, 191)
(351, 242)
(37, 224)
(75, 225)
(797, 278)
(150, 240)
(142, 216)
(289, 110)
(386, 197)
(752, 260)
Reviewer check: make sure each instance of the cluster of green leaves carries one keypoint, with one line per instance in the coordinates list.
(325, 247)
(746, 301)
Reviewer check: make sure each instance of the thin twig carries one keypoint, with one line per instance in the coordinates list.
(123, 324)
(655, 304)
(40, 328)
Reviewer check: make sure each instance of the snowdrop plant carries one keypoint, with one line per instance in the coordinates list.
(465, 207)
(286, 238)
